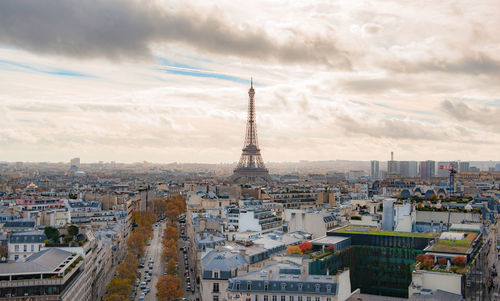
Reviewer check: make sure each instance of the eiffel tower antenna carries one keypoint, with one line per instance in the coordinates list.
(251, 167)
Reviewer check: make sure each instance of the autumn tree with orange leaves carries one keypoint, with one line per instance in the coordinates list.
(168, 288)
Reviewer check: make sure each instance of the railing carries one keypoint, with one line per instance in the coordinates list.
(33, 298)
(39, 282)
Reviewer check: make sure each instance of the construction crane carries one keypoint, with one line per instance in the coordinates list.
(453, 171)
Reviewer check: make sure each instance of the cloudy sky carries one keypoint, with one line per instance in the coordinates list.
(167, 81)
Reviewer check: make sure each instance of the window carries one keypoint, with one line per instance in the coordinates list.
(32, 248)
(216, 288)
(317, 287)
(318, 298)
(216, 274)
(328, 299)
(216, 298)
(248, 285)
(292, 298)
(16, 248)
(25, 248)
(256, 298)
(299, 298)
(266, 298)
(266, 286)
(275, 298)
(308, 298)
(16, 257)
(237, 286)
(300, 288)
(282, 298)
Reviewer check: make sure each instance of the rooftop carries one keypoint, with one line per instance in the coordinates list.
(46, 261)
(454, 246)
(282, 277)
(376, 231)
(223, 260)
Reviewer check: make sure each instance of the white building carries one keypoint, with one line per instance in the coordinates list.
(25, 243)
(314, 222)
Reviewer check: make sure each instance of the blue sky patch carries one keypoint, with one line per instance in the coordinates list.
(15, 66)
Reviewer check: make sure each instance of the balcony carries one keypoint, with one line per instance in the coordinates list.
(41, 282)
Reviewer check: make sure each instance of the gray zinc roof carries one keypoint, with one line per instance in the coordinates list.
(46, 261)
(27, 237)
(222, 261)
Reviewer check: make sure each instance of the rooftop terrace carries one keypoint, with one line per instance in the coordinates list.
(454, 246)
(376, 231)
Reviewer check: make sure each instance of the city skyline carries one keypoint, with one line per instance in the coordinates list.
(167, 82)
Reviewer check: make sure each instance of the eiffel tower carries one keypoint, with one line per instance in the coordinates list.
(251, 167)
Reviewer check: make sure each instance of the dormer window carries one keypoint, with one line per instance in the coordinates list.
(317, 287)
(283, 286)
(300, 286)
(248, 285)
(237, 286)
(266, 286)
(328, 288)
(216, 275)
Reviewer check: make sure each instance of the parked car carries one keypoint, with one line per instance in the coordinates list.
(143, 285)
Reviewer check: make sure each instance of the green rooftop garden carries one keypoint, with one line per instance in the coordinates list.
(375, 231)
(454, 246)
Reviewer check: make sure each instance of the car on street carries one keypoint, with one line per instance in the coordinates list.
(147, 290)
(143, 285)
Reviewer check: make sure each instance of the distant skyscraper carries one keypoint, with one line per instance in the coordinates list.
(374, 171)
(251, 167)
(74, 164)
(427, 169)
(408, 169)
(392, 166)
(463, 166)
(497, 167)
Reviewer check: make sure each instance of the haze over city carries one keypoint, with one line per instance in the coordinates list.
(167, 81)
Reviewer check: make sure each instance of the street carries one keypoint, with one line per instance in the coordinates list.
(189, 295)
(153, 252)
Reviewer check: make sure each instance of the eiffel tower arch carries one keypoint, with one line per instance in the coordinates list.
(251, 167)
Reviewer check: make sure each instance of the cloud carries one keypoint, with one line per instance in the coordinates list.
(406, 129)
(115, 30)
(481, 115)
(472, 64)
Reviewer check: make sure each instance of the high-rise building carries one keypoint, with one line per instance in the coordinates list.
(427, 169)
(374, 170)
(74, 164)
(463, 166)
(408, 169)
(393, 166)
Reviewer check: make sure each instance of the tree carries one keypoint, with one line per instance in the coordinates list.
(169, 288)
(171, 268)
(136, 242)
(127, 269)
(428, 262)
(170, 233)
(459, 260)
(293, 250)
(118, 289)
(52, 234)
(305, 246)
(331, 248)
(73, 230)
(420, 257)
(442, 260)
(170, 253)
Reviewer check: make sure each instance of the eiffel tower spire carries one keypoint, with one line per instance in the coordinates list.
(251, 167)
